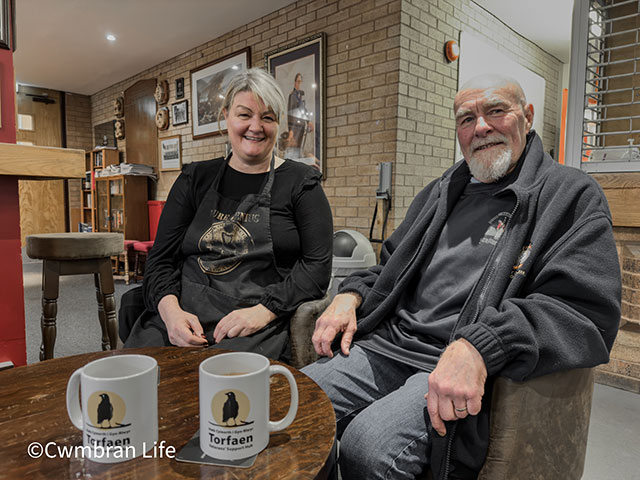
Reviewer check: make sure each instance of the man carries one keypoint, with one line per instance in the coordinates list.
(504, 266)
(297, 119)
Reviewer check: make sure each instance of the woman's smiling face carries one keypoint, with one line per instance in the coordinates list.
(252, 129)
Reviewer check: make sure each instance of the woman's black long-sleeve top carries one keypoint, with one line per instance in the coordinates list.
(301, 230)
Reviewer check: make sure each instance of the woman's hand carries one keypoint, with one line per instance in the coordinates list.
(243, 322)
(183, 328)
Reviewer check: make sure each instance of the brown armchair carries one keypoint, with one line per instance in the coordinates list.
(301, 328)
(538, 428)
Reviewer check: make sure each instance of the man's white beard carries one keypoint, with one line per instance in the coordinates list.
(484, 165)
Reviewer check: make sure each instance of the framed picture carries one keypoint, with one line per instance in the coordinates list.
(105, 134)
(299, 69)
(180, 87)
(170, 154)
(208, 84)
(180, 112)
(7, 24)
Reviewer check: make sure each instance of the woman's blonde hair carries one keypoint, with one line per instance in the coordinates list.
(262, 85)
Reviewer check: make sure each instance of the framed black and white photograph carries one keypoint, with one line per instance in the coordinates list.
(299, 69)
(208, 83)
(180, 112)
(170, 153)
(180, 87)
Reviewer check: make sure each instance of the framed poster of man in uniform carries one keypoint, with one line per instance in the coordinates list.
(299, 69)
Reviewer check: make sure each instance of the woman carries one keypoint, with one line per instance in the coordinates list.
(242, 241)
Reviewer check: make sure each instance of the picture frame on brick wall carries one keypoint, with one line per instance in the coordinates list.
(208, 83)
(300, 71)
(170, 153)
(180, 112)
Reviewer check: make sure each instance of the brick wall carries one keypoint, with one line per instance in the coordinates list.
(362, 74)
(428, 83)
(623, 369)
(80, 136)
(389, 91)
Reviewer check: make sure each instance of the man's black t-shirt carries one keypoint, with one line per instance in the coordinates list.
(425, 316)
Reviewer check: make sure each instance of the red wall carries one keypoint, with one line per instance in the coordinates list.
(12, 332)
(8, 100)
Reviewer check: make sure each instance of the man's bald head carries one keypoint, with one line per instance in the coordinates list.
(494, 81)
(492, 122)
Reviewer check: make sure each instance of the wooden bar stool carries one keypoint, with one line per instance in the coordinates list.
(74, 254)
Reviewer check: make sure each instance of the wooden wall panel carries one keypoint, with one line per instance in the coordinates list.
(623, 194)
(141, 132)
(41, 207)
(42, 203)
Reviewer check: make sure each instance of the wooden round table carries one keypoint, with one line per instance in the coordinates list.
(33, 409)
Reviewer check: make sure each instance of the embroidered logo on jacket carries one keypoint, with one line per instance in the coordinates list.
(496, 228)
(522, 258)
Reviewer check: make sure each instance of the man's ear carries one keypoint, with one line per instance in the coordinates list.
(528, 116)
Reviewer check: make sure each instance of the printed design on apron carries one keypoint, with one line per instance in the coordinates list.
(227, 240)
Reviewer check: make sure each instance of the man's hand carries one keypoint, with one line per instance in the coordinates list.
(183, 328)
(243, 322)
(340, 316)
(456, 385)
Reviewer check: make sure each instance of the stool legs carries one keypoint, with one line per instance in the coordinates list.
(126, 267)
(50, 282)
(106, 304)
(103, 278)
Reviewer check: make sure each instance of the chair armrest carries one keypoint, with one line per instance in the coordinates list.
(301, 328)
(539, 428)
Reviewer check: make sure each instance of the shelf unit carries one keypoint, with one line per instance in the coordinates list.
(96, 159)
(121, 206)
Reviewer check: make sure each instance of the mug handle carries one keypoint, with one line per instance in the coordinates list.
(293, 406)
(73, 400)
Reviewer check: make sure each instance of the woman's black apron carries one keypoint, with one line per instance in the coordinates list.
(229, 260)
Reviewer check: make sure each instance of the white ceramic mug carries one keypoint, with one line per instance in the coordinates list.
(119, 414)
(234, 404)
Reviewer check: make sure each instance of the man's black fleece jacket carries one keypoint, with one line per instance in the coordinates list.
(549, 296)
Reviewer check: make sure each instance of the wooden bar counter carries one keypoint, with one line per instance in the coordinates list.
(18, 162)
(33, 409)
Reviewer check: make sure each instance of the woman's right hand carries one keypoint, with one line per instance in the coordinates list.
(183, 328)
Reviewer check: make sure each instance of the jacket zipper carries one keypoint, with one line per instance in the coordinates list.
(494, 264)
(447, 457)
(479, 303)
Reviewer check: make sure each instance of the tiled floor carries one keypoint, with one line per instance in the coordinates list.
(613, 448)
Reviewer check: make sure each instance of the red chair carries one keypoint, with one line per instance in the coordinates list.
(141, 250)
